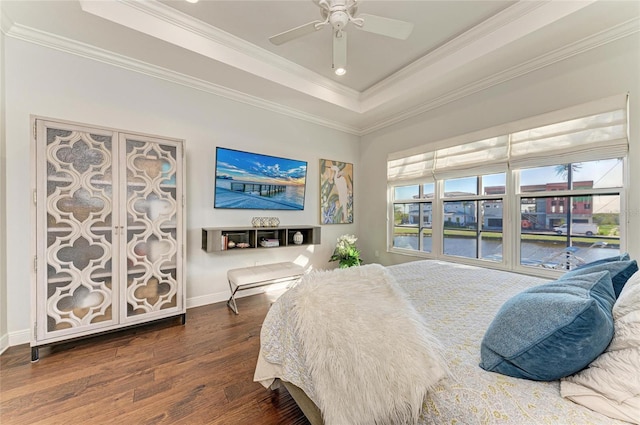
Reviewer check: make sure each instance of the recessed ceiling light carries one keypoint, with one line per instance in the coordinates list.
(192, 1)
(340, 71)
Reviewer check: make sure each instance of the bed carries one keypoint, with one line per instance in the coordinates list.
(457, 303)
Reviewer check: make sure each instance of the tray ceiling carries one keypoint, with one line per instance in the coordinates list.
(456, 48)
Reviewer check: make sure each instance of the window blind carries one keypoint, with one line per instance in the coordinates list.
(586, 132)
(599, 136)
(481, 157)
(411, 167)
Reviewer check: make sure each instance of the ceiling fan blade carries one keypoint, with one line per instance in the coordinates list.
(293, 33)
(339, 50)
(386, 26)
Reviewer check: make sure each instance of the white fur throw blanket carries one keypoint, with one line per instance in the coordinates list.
(369, 354)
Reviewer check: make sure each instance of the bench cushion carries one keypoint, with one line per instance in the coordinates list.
(264, 273)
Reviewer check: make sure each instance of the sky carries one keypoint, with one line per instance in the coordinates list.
(260, 168)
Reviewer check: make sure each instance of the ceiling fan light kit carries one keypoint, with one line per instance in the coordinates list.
(340, 52)
(338, 14)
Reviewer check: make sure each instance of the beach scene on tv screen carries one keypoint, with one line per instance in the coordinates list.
(246, 180)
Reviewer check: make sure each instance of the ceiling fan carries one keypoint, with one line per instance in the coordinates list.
(338, 13)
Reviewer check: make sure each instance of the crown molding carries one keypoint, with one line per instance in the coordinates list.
(511, 14)
(5, 22)
(510, 25)
(87, 51)
(162, 22)
(602, 38)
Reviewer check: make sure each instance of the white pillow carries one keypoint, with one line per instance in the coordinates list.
(611, 383)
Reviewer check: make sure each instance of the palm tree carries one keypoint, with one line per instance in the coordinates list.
(563, 170)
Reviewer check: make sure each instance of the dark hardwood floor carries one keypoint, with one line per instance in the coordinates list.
(162, 373)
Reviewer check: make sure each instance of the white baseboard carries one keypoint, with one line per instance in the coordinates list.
(24, 337)
(19, 337)
(221, 296)
(207, 299)
(4, 343)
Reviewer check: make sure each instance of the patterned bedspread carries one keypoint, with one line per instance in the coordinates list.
(458, 302)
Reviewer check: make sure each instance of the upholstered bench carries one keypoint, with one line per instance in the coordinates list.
(256, 276)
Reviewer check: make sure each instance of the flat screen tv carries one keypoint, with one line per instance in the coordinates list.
(246, 180)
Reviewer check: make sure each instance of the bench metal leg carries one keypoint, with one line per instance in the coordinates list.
(234, 287)
(231, 303)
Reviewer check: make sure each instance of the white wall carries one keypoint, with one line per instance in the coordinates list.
(605, 71)
(50, 83)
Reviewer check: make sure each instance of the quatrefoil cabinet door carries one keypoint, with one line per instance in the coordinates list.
(152, 211)
(76, 253)
(109, 233)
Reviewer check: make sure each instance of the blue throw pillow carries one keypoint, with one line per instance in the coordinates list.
(553, 330)
(621, 257)
(621, 271)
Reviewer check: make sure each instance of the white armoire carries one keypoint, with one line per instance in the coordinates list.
(109, 230)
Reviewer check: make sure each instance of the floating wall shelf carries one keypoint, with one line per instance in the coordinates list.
(222, 239)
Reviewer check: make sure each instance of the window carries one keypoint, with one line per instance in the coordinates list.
(473, 221)
(412, 217)
(548, 196)
(589, 231)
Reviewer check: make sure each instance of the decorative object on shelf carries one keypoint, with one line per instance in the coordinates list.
(298, 238)
(269, 243)
(336, 192)
(231, 244)
(265, 221)
(346, 252)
